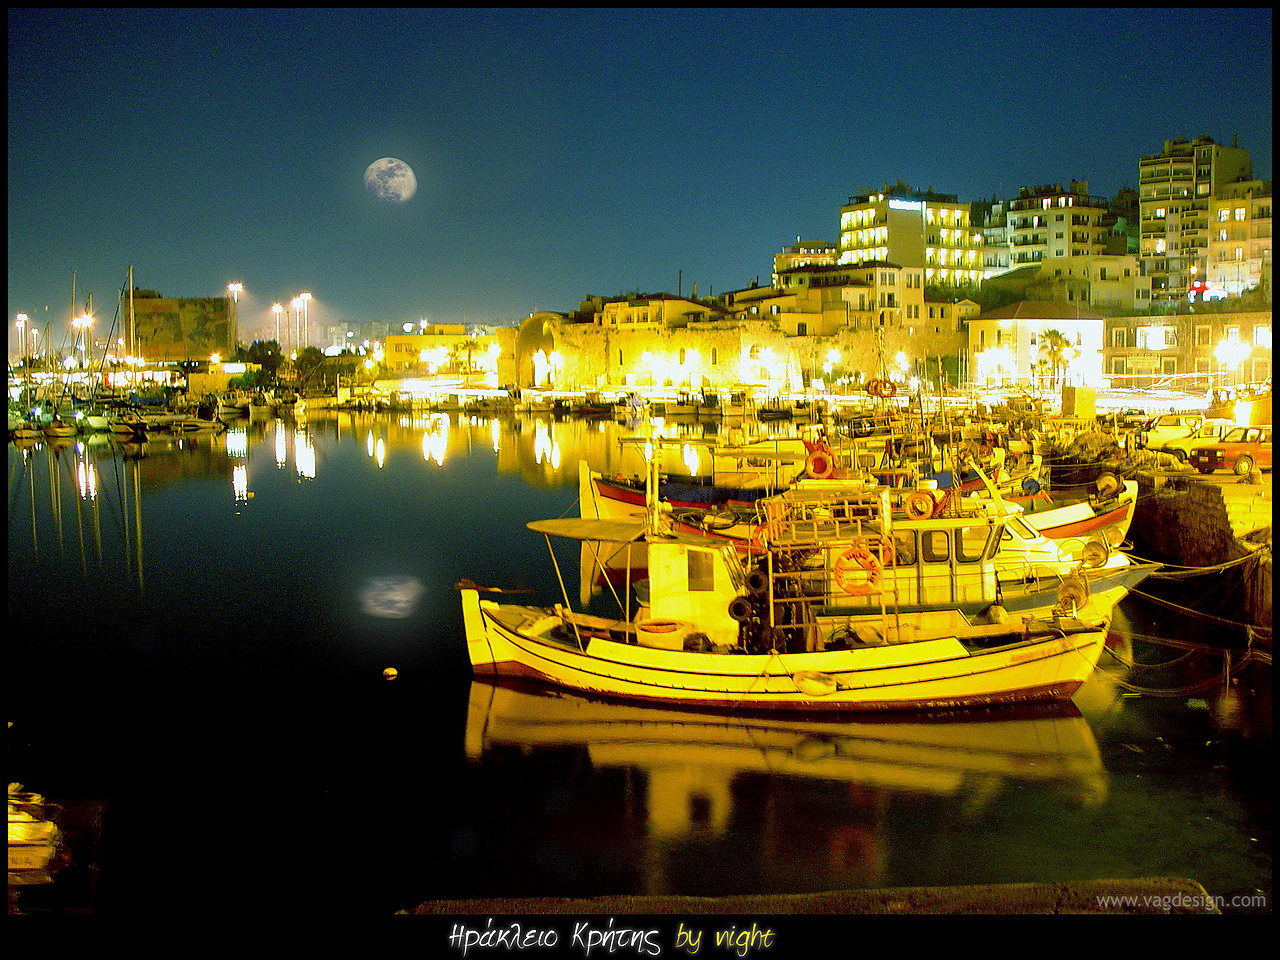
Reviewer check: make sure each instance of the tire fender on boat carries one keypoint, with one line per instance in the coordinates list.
(860, 556)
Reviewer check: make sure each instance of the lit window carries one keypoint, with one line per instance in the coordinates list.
(1262, 337)
(1239, 213)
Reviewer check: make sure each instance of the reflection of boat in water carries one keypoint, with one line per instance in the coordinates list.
(938, 753)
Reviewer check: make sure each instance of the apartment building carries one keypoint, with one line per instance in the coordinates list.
(1175, 188)
(913, 228)
(1239, 240)
(1049, 223)
(804, 253)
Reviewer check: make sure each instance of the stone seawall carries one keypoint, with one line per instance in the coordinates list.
(1182, 520)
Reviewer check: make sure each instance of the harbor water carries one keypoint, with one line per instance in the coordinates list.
(249, 647)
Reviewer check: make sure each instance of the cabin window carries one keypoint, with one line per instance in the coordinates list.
(934, 546)
(971, 543)
(701, 570)
(904, 547)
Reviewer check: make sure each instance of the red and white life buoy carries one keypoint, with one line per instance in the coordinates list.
(819, 465)
(920, 505)
(860, 556)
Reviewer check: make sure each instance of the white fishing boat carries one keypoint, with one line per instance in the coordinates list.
(840, 604)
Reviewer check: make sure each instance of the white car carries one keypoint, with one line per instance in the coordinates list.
(1213, 429)
(1169, 426)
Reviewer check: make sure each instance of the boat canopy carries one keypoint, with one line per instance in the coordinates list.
(579, 528)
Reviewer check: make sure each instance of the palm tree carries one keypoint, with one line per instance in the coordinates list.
(1053, 348)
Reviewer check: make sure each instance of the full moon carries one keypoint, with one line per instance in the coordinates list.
(391, 180)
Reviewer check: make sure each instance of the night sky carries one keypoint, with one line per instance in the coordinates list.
(559, 154)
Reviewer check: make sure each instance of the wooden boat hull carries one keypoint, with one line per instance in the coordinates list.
(936, 674)
(1085, 520)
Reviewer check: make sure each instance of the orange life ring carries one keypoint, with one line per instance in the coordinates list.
(866, 560)
(888, 387)
(873, 387)
(920, 505)
(819, 465)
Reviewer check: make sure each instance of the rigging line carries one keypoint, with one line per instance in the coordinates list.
(1135, 665)
(1177, 570)
(1198, 687)
(1196, 613)
(1206, 648)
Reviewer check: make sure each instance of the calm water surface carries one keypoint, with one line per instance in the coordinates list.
(198, 635)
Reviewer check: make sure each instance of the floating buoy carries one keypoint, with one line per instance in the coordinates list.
(390, 673)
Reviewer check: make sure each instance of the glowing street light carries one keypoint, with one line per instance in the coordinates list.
(235, 289)
(22, 335)
(276, 308)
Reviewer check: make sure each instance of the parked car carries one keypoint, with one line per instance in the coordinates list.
(1169, 426)
(1212, 429)
(1241, 449)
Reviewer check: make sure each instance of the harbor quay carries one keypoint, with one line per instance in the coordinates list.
(1209, 522)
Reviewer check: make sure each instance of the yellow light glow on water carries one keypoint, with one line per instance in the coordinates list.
(237, 442)
(240, 481)
(304, 455)
(368, 443)
(87, 480)
(435, 442)
(495, 431)
(380, 452)
(281, 445)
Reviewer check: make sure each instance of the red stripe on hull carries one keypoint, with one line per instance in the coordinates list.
(1092, 525)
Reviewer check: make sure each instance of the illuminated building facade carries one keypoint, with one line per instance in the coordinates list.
(914, 228)
(1240, 240)
(1175, 188)
(1048, 223)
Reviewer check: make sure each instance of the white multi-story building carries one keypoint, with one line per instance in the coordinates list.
(1239, 240)
(1175, 188)
(913, 228)
(1049, 223)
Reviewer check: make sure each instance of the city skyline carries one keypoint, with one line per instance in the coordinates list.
(557, 154)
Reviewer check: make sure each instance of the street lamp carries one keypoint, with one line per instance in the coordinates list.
(306, 332)
(235, 289)
(22, 336)
(276, 308)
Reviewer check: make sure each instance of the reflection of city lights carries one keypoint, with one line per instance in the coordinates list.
(237, 442)
(545, 447)
(304, 455)
(281, 445)
(435, 441)
(240, 481)
(87, 480)
(495, 431)
(368, 443)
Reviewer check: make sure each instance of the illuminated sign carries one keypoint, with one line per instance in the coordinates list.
(915, 205)
(233, 368)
